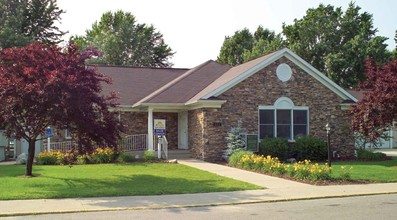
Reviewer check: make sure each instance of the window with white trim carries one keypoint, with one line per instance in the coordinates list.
(284, 120)
(68, 134)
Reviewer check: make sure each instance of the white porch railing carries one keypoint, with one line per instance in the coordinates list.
(63, 146)
(136, 142)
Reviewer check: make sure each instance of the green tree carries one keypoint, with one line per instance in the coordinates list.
(233, 48)
(123, 41)
(22, 21)
(244, 46)
(337, 43)
(265, 42)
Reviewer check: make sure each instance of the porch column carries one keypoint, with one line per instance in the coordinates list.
(150, 128)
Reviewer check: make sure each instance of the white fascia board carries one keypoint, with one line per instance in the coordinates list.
(206, 104)
(245, 75)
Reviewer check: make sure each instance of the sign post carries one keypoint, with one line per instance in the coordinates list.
(159, 131)
(48, 134)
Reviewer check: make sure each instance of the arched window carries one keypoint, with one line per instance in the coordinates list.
(284, 120)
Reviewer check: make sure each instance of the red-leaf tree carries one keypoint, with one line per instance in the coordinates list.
(43, 85)
(378, 109)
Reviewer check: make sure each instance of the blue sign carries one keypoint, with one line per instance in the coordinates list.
(48, 132)
(159, 132)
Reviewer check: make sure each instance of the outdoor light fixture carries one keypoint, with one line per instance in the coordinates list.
(328, 129)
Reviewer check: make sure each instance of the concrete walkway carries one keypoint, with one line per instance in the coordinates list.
(277, 189)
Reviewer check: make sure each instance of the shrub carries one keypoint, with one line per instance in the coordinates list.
(235, 141)
(310, 148)
(49, 157)
(149, 155)
(235, 158)
(275, 147)
(84, 159)
(68, 158)
(125, 157)
(369, 155)
(104, 155)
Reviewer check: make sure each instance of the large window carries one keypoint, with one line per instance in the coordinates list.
(283, 120)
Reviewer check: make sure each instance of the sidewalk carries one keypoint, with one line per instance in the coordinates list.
(277, 189)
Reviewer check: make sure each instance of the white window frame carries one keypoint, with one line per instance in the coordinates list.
(284, 103)
(68, 134)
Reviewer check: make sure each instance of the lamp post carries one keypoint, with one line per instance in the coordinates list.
(328, 128)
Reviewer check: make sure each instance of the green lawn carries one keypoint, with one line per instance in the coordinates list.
(382, 171)
(111, 180)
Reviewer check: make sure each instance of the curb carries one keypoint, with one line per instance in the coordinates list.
(192, 205)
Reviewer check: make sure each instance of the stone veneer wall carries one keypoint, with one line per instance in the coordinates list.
(197, 137)
(136, 123)
(264, 88)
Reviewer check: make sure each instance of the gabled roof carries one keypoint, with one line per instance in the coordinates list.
(134, 83)
(182, 87)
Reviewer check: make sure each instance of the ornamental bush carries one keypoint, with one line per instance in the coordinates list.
(235, 158)
(48, 157)
(104, 155)
(125, 157)
(149, 155)
(235, 141)
(310, 148)
(275, 147)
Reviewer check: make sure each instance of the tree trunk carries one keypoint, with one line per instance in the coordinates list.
(29, 162)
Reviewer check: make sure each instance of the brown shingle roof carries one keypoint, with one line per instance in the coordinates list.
(134, 83)
(189, 84)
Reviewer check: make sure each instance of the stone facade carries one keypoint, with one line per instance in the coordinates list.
(136, 123)
(263, 89)
(197, 137)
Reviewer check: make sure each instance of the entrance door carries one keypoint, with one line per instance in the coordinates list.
(182, 130)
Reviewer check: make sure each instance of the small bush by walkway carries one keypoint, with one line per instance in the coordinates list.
(97, 180)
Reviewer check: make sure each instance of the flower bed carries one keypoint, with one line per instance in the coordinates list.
(99, 155)
(302, 170)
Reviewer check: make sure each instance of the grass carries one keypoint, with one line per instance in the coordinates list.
(111, 180)
(379, 171)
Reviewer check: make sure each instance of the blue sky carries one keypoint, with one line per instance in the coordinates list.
(196, 29)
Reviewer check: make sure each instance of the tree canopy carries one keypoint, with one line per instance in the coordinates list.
(43, 85)
(22, 21)
(244, 46)
(335, 42)
(378, 109)
(123, 41)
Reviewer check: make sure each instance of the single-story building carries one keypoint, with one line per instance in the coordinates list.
(277, 95)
